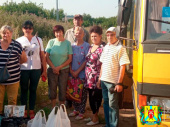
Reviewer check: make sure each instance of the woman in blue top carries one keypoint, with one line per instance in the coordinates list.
(77, 70)
(59, 56)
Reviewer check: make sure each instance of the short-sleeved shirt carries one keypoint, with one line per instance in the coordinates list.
(113, 56)
(32, 50)
(70, 36)
(93, 66)
(59, 51)
(13, 66)
(79, 54)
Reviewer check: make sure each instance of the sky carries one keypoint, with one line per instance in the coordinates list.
(96, 8)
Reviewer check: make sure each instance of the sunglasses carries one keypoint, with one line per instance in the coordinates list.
(28, 27)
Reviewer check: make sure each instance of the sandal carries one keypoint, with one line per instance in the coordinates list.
(91, 123)
(31, 114)
(74, 113)
(87, 119)
(79, 117)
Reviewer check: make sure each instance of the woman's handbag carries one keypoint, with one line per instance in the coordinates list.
(75, 89)
(54, 119)
(38, 121)
(64, 117)
(4, 74)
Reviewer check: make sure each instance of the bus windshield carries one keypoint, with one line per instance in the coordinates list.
(158, 20)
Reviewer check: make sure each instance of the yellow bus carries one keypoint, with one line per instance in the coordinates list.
(147, 38)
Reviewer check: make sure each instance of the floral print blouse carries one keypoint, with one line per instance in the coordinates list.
(79, 54)
(93, 65)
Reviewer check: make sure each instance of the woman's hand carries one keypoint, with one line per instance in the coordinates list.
(44, 74)
(56, 69)
(74, 73)
(98, 84)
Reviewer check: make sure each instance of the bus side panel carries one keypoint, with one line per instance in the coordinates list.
(156, 68)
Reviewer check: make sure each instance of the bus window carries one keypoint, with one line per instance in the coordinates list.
(156, 30)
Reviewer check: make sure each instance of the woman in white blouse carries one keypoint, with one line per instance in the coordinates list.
(31, 71)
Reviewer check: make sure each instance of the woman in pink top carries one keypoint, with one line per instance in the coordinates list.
(92, 71)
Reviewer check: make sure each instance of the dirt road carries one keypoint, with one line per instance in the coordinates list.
(127, 118)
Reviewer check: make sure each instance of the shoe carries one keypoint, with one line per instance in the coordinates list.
(74, 113)
(91, 123)
(87, 119)
(32, 114)
(79, 117)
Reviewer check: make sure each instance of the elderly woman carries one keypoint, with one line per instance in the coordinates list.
(77, 70)
(31, 70)
(13, 50)
(92, 71)
(59, 56)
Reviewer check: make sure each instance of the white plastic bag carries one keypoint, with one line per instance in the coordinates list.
(64, 117)
(54, 119)
(38, 121)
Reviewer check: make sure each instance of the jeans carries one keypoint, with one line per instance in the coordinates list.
(29, 81)
(110, 105)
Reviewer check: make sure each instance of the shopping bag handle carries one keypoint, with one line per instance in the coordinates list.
(43, 113)
(55, 109)
(64, 108)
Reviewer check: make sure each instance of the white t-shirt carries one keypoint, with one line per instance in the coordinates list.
(32, 50)
(112, 57)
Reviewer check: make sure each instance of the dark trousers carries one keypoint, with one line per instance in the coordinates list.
(29, 81)
(95, 99)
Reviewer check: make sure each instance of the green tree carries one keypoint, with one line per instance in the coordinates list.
(88, 20)
(32, 8)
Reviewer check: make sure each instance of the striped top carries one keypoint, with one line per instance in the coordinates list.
(13, 65)
(113, 56)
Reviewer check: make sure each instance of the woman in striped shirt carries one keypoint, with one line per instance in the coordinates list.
(17, 56)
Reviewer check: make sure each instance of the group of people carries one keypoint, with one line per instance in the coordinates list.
(101, 66)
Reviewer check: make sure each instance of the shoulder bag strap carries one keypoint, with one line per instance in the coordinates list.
(10, 53)
(39, 45)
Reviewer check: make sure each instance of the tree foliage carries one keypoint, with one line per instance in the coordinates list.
(38, 10)
(32, 8)
(102, 21)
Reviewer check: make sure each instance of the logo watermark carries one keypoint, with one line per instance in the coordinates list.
(151, 114)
